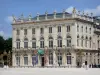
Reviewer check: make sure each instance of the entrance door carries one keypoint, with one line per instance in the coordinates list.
(42, 61)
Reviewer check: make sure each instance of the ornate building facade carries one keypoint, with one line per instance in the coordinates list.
(58, 39)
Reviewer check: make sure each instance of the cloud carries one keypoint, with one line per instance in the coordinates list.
(9, 19)
(95, 11)
(5, 35)
(69, 9)
(1, 33)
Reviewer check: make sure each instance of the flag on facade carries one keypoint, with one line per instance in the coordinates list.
(45, 56)
(36, 58)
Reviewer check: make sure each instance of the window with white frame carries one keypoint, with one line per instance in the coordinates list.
(50, 42)
(50, 29)
(59, 56)
(33, 43)
(59, 41)
(68, 41)
(25, 43)
(82, 38)
(25, 31)
(50, 57)
(18, 43)
(77, 40)
(68, 28)
(86, 41)
(86, 29)
(18, 32)
(33, 30)
(59, 28)
(41, 30)
(25, 59)
(69, 58)
(17, 60)
(82, 29)
(90, 42)
(77, 28)
(90, 30)
(41, 42)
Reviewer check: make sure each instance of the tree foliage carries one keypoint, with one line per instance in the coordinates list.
(5, 44)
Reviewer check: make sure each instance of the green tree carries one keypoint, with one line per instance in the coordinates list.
(2, 44)
(8, 44)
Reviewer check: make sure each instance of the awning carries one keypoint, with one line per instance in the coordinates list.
(40, 52)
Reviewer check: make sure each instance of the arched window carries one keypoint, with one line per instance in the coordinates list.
(82, 38)
(50, 57)
(34, 60)
(86, 41)
(41, 42)
(25, 59)
(50, 42)
(68, 58)
(18, 43)
(25, 43)
(77, 40)
(59, 41)
(68, 41)
(33, 43)
(59, 58)
(17, 60)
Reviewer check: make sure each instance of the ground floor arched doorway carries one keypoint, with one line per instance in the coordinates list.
(42, 60)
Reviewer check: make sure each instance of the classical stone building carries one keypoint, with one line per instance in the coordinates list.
(58, 39)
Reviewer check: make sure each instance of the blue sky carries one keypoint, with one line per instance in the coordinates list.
(17, 7)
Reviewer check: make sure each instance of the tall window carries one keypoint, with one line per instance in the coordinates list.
(90, 42)
(50, 57)
(77, 28)
(90, 30)
(86, 41)
(86, 29)
(18, 43)
(33, 43)
(68, 28)
(33, 30)
(59, 28)
(34, 60)
(50, 29)
(59, 57)
(68, 58)
(50, 42)
(82, 38)
(59, 41)
(18, 32)
(25, 31)
(25, 43)
(77, 40)
(98, 43)
(17, 60)
(82, 28)
(41, 30)
(41, 42)
(68, 41)
(25, 60)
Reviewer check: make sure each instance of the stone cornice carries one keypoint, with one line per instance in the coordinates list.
(53, 20)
